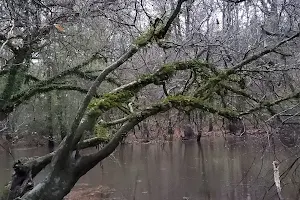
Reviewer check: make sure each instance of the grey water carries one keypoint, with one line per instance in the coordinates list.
(215, 169)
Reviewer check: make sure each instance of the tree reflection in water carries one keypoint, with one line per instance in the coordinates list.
(240, 169)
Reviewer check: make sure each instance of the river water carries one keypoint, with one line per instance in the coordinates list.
(216, 169)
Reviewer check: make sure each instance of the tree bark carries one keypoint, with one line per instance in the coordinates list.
(67, 168)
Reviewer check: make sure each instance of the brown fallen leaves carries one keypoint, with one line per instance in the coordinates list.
(86, 192)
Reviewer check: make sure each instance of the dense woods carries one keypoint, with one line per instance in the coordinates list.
(88, 73)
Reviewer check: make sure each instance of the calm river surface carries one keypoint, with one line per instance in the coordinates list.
(217, 169)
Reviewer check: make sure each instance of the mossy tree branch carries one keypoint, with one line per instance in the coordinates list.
(85, 163)
(143, 40)
(26, 95)
(121, 95)
(268, 104)
(213, 82)
(124, 93)
(15, 98)
(178, 101)
(164, 73)
(63, 155)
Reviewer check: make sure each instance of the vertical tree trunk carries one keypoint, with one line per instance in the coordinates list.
(49, 126)
(59, 111)
(188, 18)
(49, 117)
(199, 125)
(210, 123)
(176, 24)
(145, 131)
(170, 129)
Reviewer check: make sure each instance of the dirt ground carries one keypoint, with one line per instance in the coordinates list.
(87, 192)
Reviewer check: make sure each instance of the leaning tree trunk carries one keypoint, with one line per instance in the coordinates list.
(66, 166)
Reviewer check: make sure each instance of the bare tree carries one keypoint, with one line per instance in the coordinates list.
(193, 60)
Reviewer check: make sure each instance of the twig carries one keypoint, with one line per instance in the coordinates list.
(278, 114)
(9, 32)
(277, 179)
(9, 151)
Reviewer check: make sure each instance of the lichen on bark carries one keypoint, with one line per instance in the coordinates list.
(102, 132)
(145, 38)
(123, 95)
(189, 101)
(111, 100)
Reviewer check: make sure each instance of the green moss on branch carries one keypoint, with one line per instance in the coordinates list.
(111, 100)
(25, 95)
(145, 38)
(101, 132)
(124, 93)
(184, 101)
